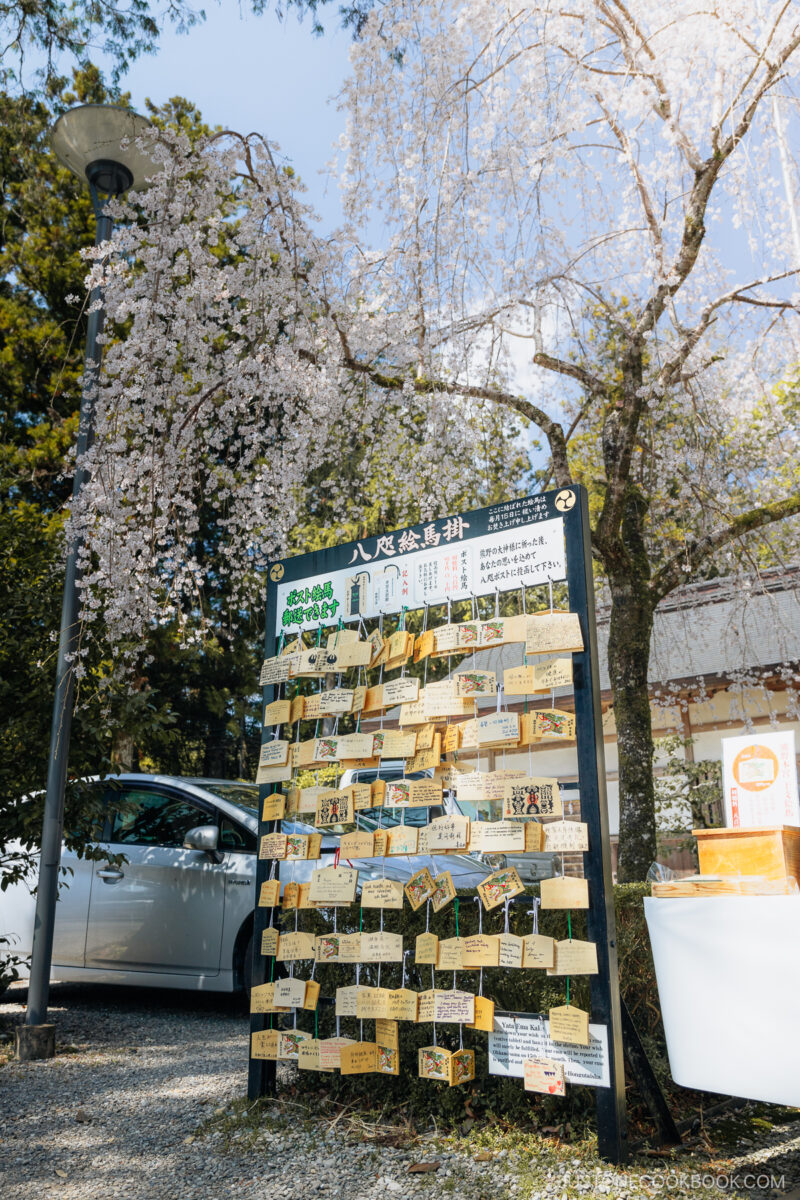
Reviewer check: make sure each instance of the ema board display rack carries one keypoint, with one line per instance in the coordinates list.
(328, 619)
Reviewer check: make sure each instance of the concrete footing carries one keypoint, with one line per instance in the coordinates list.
(34, 1041)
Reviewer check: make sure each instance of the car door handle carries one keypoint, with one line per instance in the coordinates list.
(111, 875)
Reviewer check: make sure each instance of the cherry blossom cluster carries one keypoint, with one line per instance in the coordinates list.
(235, 372)
(561, 184)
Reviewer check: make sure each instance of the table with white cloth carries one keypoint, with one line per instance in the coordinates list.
(728, 971)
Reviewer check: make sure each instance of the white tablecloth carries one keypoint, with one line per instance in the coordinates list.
(728, 971)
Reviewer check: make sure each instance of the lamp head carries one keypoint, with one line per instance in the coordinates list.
(87, 140)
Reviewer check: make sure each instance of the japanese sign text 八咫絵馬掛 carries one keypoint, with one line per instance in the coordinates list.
(447, 559)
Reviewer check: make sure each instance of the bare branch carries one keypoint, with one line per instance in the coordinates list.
(705, 178)
(591, 382)
(671, 369)
(641, 186)
(424, 386)
(683, 564)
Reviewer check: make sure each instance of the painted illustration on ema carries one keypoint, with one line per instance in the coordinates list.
(532, 798)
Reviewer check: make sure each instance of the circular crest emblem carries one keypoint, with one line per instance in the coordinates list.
(276, 572)
(565, 500)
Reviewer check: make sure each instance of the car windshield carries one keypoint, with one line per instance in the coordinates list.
(387, 818)
(485, 810)
(243, 794)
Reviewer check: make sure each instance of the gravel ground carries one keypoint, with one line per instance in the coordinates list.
(145, 1099)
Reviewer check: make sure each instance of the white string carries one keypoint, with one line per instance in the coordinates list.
(433, 986)
(534, 912)
(427, 916)
(506, 903)
(405, 956)
(479, 903)
(552, 690)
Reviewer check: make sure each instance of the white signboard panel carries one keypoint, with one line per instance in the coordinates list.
(517, 1037)
(759, 776)
(396, 571)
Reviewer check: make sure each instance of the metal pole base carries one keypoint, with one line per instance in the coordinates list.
(32, 1042)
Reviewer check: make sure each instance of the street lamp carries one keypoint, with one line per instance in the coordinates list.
(88, 140)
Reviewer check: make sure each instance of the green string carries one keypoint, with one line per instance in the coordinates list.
(569, 935)
(271, 968)
(457, 903)
(403, 616)
(361, 921)
(316, 1023)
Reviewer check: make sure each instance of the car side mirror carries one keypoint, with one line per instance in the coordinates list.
(204, 838)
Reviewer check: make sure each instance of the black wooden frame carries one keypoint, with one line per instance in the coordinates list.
(572, 506)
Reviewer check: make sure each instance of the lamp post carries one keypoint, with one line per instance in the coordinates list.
(87, 140)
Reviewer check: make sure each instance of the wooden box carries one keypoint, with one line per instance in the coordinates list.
(772, 853)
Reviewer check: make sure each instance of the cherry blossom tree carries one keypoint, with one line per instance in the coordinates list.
(590, 216)
(586, 221)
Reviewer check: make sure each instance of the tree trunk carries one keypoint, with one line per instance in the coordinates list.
(632, 607)
(628, 658)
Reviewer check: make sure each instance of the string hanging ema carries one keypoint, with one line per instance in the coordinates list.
(534, 912)
(456, 904)
(433, 988)
(569, 935)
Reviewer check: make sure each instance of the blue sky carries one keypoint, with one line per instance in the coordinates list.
(258, 73)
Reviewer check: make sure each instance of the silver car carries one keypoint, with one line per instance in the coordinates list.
(178, 912)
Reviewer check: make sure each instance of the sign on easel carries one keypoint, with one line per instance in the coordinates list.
(759, 778)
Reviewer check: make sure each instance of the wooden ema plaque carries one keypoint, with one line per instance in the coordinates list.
(450, 1067)
(545, 1076)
